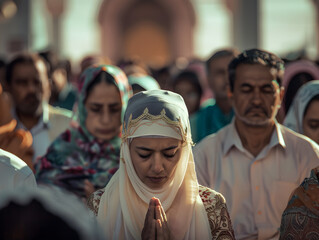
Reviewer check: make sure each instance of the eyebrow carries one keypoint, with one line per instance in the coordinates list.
(100, 104)
(149, 149)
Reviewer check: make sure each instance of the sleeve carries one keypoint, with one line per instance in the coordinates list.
(217, 213)
(201, 164)
(93, 201)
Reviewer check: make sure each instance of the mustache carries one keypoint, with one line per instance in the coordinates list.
(31, 96)
(256, 108)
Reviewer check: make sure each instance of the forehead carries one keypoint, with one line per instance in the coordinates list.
(255, 74)
(104, 92)
(313, 110)
(24, 69)
(155, 142)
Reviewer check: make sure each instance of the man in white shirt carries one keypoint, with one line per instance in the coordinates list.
(255, 162)
(14, 172)
(27, 81)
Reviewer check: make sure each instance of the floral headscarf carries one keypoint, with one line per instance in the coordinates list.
(76, 154)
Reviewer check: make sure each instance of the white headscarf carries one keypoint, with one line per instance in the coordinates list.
(124, 204)
(295, 115)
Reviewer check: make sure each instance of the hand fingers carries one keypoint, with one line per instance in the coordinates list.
(159, 230)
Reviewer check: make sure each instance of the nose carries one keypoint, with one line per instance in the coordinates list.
(105, 117)
(157, 163)
(256, 98)
(32, 87)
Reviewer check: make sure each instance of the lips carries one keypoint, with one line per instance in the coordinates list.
(156, 179)
(105, 131)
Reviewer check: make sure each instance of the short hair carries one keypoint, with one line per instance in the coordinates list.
(256, 56)
(25, 58)
(226, 52)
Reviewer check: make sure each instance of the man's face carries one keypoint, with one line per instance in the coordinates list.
(218, 76)
(27, 88)
(257, 96)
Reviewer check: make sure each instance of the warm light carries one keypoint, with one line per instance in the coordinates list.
(9, 9)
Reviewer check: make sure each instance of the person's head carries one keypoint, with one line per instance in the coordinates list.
(303, 115)
(217, 74)
(296, 74)
(28, 83)
(5, 107)
(187, 84)
(142, 82)
(157, 140)
(255, 78)
(103, 98)
(310, 123)
(30, 214)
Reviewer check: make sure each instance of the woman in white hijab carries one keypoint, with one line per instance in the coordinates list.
(155, 193)
(303, 115)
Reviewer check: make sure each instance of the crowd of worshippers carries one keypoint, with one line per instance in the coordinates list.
(225, 148)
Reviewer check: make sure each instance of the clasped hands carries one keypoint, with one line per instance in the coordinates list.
(155, 225)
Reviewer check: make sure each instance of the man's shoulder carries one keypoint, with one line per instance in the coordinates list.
(61, 113)
(215, 138)
(297, 139)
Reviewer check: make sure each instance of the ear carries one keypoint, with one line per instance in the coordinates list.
(282, 93)
(229, 93)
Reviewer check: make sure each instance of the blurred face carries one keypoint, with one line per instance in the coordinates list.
(218, 76)
(257, 96)
(155, 159)
(103, 106)
(310, 121)
(189, 94)
(27, 88)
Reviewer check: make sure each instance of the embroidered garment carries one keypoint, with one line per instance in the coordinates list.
(77, 155)
(122, 206)
(295, 115)
(300, 219)
(214, 203)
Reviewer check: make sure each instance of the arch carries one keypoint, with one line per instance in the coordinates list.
(172, 21)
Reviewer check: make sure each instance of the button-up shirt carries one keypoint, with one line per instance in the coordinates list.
(256, 188)
(51, 124)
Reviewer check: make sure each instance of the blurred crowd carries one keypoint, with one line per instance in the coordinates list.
(61, 130)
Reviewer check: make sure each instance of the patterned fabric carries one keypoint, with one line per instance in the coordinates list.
(214, 203)
(300, 219)
(76, 155)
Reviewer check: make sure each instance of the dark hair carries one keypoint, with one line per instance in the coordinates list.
(24, 58)
(227, 52)
(256, 56)
(33, 222)
(315, 98)
(294, 84)
(191, 77)
(101, 77)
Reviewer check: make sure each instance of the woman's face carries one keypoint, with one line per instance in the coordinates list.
(103, 106)
(311, 121)
(190, 95)
(155, 159)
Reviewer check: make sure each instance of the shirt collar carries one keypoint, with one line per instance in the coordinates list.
(233, 139)
(43, 121)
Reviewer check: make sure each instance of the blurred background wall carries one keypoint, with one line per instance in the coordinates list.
(158, 31)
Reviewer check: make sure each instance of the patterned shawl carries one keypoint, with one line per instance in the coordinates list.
(76, 155)
(300, 219)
